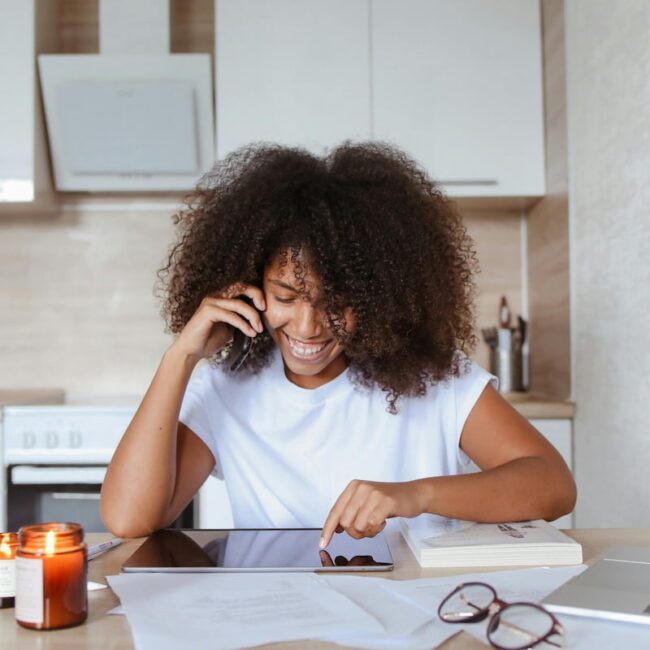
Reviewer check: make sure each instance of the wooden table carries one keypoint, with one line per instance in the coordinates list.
(102, 631)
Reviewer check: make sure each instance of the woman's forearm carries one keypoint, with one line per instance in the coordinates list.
(529, 487)
(140, 480)
(525, 488)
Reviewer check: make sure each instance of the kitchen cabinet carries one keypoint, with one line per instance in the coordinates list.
(559, 433)
(455, 83)
(458, 84)
(17, 80)
(291, 71)
(212, 505)
(25, 30)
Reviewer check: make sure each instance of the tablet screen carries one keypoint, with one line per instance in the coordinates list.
(291, 549)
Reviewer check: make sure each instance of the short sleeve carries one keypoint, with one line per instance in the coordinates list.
(195, 412)
(468, 388)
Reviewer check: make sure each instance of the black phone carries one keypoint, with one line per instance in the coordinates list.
(241, 344)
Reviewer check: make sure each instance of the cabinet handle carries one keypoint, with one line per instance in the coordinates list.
(489, 181)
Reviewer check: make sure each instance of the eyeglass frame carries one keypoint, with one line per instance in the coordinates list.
(495, 615)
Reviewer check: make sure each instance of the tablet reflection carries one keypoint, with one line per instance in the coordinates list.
(357, 560)
(285, 549)
(173, 548)
(292, 549)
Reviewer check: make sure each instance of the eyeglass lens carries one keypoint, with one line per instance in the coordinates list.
(519, 626)
(469, 603)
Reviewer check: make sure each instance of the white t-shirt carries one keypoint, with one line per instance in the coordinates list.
(286, 453)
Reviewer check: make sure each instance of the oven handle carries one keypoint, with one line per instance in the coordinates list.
(31, 475)
(76, 496)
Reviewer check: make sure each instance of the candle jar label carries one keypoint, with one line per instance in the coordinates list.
(29, 590)
(7, 578)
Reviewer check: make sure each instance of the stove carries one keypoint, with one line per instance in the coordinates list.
(53, 460)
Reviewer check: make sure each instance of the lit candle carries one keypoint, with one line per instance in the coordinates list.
(8, 546)
(51, 569)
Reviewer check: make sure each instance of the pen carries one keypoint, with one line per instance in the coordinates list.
(104, 546)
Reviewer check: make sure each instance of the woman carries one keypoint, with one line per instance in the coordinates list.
(352, 275)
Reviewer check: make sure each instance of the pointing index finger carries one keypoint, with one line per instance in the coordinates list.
(329, 527)
(332, 523)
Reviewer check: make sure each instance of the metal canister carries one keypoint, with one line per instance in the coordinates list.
(506, 364)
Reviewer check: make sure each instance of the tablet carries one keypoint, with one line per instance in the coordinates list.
(285, 549)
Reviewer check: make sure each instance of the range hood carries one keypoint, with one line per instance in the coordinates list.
(134, 117)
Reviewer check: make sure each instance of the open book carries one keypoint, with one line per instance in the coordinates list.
(439, 542)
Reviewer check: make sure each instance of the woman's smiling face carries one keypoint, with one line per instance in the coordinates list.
(312, 355)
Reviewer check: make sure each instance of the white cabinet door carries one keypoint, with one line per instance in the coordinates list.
(558, 433)
(458, 85)
(17, 85)
(294, 72)
(212, 508)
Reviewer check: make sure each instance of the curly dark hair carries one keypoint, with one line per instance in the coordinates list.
(369, 224)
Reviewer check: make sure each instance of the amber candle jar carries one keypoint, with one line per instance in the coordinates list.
(8, 547)
(51, 583)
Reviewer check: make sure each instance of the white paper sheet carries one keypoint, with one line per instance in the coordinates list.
(224, 611)
(424, 595)
(407, 624)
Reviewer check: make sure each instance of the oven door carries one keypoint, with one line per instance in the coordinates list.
(40, 493)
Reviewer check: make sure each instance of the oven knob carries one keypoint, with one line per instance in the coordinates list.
(29, 439)
(51, 439)
(75, 440)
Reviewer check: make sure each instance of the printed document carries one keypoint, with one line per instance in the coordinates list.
(224, 611)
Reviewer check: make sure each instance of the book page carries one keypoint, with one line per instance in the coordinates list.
(436, 532)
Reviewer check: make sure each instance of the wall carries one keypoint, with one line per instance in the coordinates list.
(608, 67)
(78, 309)
(548, 229)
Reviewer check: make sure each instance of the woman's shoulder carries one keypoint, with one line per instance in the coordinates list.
(464, 382)
(469, 373)
(465, 387)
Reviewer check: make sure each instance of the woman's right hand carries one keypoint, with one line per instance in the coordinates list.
(210, 328)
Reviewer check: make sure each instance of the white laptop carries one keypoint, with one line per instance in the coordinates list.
(616, 587)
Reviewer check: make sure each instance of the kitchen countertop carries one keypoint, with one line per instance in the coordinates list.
(529, 405)
(31, 396)
(536, 406)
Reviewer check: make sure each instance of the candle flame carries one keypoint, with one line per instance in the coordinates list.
(49, 542)
(5, 549)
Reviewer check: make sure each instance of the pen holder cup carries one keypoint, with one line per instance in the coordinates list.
(506, 364)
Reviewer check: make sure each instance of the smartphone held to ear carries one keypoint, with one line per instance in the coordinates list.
(241, 344)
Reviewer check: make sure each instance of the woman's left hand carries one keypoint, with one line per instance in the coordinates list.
(364, 506)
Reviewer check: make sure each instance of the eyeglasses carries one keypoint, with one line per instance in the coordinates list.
(512, 626)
